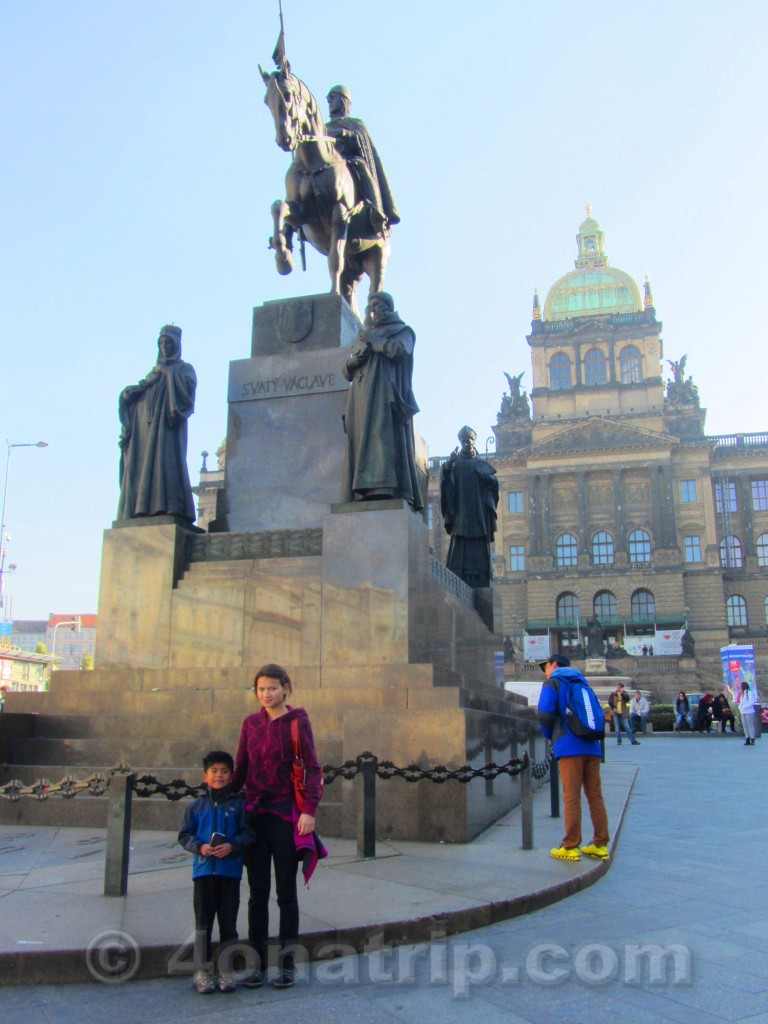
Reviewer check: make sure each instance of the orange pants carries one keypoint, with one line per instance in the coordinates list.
(577, 773)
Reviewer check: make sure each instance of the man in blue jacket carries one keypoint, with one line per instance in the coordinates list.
(579, 762)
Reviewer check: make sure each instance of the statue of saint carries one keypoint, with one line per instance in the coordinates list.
(469, 494)
(154, 479)
(688, 644)
(356, 146)
(595, 644)
(379, 460)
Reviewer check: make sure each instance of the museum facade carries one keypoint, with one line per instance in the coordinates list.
(615, 503)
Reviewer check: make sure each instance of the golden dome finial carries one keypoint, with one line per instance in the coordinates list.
(589, 209)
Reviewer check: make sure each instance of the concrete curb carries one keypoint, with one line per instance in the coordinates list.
(72, 965)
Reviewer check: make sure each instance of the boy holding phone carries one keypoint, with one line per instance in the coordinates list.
(214, 831)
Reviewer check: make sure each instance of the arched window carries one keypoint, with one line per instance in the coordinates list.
(567, 550)
(762, 549)
(643, 605)
(639, 546)
(631, 365)
(560, 372)
(568, 609)
(602, 548)
(595, 367)
(736, 608)
(730, 553)
(605, 605)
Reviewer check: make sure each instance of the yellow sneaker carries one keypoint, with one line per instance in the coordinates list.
(599, 852)
(560, 853)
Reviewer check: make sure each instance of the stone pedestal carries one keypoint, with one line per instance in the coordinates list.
(595, 667)
(141, 562)
(375, 585)
(285, 435)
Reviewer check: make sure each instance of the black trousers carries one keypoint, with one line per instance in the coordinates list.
(216, 897)
(274, 844)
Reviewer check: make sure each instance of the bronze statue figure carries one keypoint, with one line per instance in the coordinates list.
(355, 144)
(379, 460)
(345, 213)
(469, 494)
(595, 643)
(154, 479)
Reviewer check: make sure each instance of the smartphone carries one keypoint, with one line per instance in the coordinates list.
(217, 839)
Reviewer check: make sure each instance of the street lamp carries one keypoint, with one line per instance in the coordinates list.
(11, 445)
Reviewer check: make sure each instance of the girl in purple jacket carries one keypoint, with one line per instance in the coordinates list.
(263, 764)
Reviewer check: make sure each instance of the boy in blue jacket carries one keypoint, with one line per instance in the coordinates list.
(214, 830)
(579, 762)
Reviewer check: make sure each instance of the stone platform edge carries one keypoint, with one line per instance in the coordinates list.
(70, 966)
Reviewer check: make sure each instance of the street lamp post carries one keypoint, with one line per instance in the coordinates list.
(3, 570)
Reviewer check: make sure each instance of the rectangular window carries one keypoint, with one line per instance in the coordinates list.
(429, 515)
(693, 549)
(725, 496)
(688, 490)
(760, 495)
(515, 503)
(517, 558)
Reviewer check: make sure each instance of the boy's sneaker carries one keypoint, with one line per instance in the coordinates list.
(560, 853)
(227, 982)
(599, 852)
(205, 983)
(254, 979)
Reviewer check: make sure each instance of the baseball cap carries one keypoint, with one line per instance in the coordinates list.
(561, 660)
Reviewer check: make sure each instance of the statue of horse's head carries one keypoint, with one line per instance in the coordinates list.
(292, 105)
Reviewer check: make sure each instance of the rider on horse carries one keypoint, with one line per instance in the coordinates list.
(355, 145)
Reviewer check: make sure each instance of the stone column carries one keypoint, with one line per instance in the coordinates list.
(744, 491)
(546, 522)
(578, 376)
(620, 530)
(583, 530)
(657, 497)
(668, 509)
(534, 502)
(612, 360)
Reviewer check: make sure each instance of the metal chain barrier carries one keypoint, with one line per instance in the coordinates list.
(42, 789)
(121, 785)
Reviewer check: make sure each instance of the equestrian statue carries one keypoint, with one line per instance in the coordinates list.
(337, 195)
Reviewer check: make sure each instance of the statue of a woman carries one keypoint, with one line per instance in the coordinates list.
(154, 479)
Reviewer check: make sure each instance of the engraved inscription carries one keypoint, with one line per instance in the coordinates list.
(274, 387)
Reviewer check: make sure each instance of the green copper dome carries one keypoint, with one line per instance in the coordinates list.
(593, 288)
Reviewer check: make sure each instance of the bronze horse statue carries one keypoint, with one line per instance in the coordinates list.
(322, 196)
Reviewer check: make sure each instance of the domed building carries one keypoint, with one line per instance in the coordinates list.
(615, 504)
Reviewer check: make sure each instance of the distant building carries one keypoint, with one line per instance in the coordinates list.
(28, 633)
(69, 637)
(615, 503)
(22, 670)
(210, 490)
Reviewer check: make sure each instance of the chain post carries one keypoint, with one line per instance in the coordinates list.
(526, 803)
(366, 807)
(119, 798)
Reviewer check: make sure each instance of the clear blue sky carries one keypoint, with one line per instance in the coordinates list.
(139, 165)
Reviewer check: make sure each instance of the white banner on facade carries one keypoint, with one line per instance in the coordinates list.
(536, 647)
(663, 641)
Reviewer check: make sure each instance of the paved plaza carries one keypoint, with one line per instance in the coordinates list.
(676, 930)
